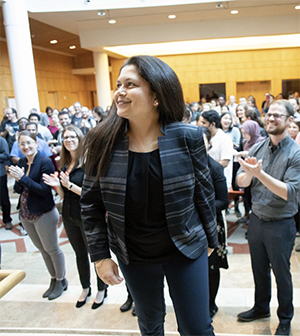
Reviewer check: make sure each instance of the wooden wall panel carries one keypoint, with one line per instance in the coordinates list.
(53, 74)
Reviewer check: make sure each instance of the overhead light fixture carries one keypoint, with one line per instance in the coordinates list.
(53, 41)
(72, 47)
(112, 21)
(219, 5)
(172, 16)
(297, 7)
(100, 13)
(234, 12)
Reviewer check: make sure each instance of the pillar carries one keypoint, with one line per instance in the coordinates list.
(102, 79)
(20, 55)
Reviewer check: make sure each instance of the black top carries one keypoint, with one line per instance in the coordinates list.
(146, 232)
(71, 206)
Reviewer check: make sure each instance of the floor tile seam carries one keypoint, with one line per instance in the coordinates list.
(90, 332)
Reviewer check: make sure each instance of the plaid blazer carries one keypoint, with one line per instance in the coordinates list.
(188, 197)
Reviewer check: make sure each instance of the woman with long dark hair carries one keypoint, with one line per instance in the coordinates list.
(148, 171)
(69, 188)
(38, 213)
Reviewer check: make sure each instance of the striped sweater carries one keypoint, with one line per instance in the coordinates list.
(188, 196)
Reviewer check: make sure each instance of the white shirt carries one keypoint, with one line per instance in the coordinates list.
(222, 149)
(232, 109)
(46, 134)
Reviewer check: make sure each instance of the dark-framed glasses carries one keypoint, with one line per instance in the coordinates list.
(275, 115)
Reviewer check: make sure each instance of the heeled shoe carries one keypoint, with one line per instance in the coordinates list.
(127, 305)
(60, 286)
(97, 305)
(50, 289)
(79, 304)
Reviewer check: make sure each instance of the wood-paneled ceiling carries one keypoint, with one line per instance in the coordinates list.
(42, 34)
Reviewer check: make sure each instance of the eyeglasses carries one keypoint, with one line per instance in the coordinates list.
(28, 143)
(275, 115)
(70, 137)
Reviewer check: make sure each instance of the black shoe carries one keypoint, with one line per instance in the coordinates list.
(237, 213)
(213, 311)
(97, 305)
(60, 286)
(283, 329)
(50, 289)
(133, 313)
(8, 226)
(251, 315)
(79, 304)
(243, 220)
(127, 305)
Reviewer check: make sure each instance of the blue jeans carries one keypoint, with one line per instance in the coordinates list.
(188, 287)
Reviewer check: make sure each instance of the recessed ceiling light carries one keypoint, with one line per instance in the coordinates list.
(72, 47)
(234, 12)
(101, 13)
(297, 7)
(172, 16)
(53, 41)
(112, 21)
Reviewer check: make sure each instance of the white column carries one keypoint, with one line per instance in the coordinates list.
(102, 79)
(20, 55)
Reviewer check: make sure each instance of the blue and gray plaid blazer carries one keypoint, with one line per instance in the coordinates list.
(188, 196)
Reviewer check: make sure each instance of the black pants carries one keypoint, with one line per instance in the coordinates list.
(75, 233)
(4, 200)
(271, 245)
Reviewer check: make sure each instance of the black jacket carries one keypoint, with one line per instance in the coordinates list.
(40, 199)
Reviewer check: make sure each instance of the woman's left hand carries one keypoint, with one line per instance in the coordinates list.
(209, 251)
(16, 172)
(64, 179)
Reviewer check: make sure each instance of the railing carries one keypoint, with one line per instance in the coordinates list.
(9, 279)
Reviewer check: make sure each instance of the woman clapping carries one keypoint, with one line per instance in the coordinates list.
(69, 188)
(38, 213)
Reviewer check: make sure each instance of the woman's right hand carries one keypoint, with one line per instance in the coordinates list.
(108, 272)
(52, 180)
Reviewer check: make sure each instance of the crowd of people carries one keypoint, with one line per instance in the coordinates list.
(149, 179)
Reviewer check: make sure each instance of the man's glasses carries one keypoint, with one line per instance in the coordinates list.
(275, 115)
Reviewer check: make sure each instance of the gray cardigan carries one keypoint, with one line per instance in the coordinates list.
(188, 196)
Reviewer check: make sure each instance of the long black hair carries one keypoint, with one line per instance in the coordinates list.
(101, 141)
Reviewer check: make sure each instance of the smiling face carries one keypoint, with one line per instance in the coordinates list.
(70, 141)
(27, 145)
(293, 130)
(133, 97)
(240, 112)
(226, 121)
(64, 120)
(276, 126)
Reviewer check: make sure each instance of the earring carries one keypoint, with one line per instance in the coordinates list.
(155, 102)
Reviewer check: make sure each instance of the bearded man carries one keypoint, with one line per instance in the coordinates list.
(272, 168)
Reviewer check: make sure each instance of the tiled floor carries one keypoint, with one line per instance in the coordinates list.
(23, 310)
